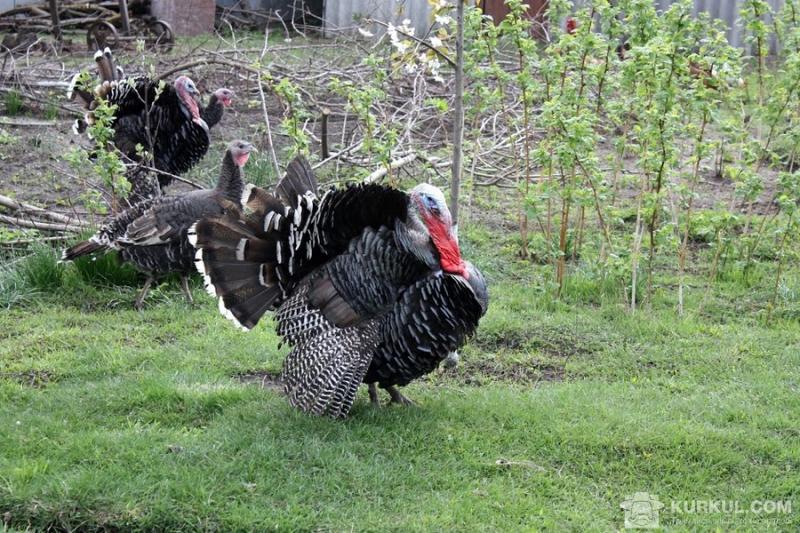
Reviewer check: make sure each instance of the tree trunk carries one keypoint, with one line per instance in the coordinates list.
(458, 126)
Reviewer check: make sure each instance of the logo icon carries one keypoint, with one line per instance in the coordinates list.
(641, 511)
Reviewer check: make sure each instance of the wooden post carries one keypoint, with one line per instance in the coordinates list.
(56, 21)
(123, 11)
(324, 133)
(458, 126)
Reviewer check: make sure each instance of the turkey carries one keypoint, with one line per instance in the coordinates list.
(220, 99)
(152, 235)
(146, 184)
(165, 120)
(367, 283)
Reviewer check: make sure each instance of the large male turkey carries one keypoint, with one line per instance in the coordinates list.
(153, 233)
(164, 119)
(368, 282)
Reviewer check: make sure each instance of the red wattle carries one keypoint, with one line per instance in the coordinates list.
(241, 159)
(449, 252)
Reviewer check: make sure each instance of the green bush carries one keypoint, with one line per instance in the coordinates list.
(13, 289)
(41, 269)
(106, 269)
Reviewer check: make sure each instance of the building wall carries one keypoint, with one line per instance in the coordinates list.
(340, 16)
(187, 17)
(726, 10)
(5, 5)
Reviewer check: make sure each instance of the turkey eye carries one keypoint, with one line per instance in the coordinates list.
(431, 204)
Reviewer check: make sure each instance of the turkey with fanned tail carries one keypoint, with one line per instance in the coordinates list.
(367, 282)
(152, 234)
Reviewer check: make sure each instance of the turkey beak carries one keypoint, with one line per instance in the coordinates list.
(249, 148)
(200, 122)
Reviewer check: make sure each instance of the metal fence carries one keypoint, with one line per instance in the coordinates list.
(727, 11)
(341, 15)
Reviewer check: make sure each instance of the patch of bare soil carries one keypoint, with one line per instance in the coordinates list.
(37, 379)
(263, 378)
(550, 341)
(481, 372)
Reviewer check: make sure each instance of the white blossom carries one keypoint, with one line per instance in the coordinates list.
(365, 33)
(436, 42)
(401, 46)
(444, 20)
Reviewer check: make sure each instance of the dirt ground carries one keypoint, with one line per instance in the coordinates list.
(33, 167)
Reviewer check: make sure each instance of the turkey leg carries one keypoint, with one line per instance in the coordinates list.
(397, 396)
(140, 299)
(373, 395)
(185, 288)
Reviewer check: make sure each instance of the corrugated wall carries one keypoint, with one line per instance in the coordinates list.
(340, 14)
(5, 5)
(727, 10)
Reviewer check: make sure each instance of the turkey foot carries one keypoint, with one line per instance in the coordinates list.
(397, 396)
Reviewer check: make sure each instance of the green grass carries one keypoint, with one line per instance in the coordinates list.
(117, 419)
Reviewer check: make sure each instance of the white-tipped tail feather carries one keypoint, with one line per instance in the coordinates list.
(227, 314)
(191, 235)
(248, 190)
(73, 82)
(240, 248)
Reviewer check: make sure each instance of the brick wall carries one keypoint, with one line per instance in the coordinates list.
(187, 17)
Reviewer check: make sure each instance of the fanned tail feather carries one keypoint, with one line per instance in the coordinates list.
(298, 181)
(249, 260)
(112, 68)
(103, 66)
(236, 263)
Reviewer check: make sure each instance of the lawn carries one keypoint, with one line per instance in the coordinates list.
(559, 411)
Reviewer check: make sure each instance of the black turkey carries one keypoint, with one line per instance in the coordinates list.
(166, 120)
(220, 99)
(145, 183)
(152, 235)
(368, 282)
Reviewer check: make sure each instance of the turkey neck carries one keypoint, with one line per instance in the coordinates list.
(231, 179)
(415, 243)
(213, 112)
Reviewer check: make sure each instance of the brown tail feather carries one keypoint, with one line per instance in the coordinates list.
(103, 67)
(81, 249)
(236, 265)
(299, 179)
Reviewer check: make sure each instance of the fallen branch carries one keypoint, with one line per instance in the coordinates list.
(10, 203)
(14, 221)
(397, 163)
(6, 121)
